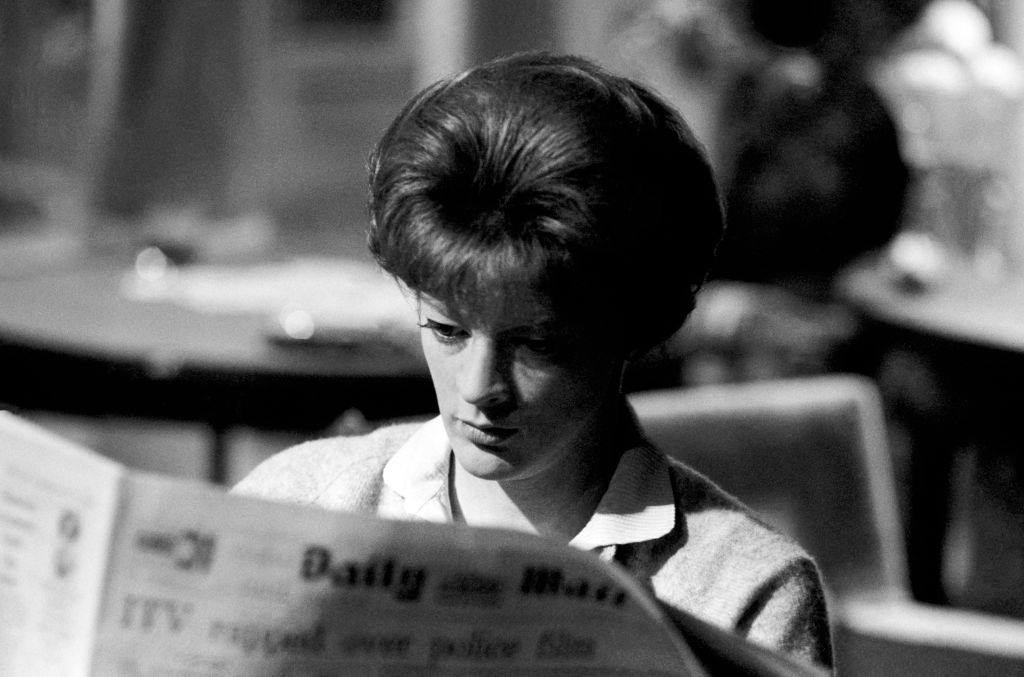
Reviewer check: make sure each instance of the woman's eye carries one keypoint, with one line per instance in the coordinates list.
(445, 333)
(545, 346)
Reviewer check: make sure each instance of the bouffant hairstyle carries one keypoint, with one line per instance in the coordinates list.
(548, 171)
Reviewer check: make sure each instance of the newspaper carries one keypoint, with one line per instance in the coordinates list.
(106, 571)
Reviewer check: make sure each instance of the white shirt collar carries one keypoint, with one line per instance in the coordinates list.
(637, 506)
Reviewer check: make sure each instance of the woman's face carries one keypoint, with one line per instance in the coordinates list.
(520, 394)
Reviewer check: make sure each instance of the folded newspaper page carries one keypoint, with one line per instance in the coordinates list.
(109, 572)
(57, 512)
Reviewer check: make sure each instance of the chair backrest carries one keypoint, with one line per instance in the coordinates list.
(809, 454)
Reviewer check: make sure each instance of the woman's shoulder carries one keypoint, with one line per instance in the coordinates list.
(731, 567)
(725, 525)
(327, 471)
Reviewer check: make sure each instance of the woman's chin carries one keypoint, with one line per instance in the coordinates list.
(486, 463)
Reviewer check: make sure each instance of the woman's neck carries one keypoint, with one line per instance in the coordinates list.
(557, 502)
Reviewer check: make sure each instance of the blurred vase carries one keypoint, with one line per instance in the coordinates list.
(957, 98)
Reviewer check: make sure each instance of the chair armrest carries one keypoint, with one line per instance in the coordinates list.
(909, 638)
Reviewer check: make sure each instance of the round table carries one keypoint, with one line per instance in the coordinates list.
(72, 341)
(959, 306)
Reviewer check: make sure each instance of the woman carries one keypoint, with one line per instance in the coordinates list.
(551, 221)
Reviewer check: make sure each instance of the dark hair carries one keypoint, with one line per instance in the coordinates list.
(547, 170)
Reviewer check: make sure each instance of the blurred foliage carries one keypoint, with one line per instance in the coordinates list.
(813, 175)
(808, 156)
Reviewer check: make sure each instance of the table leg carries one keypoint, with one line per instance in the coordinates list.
(931, 460)
(918, 402)
(219, 459)
(956, 403)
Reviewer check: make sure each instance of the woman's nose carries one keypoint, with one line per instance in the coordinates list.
(483, 378)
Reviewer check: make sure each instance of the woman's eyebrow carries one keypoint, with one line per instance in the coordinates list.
(425, 307)
(548, 326)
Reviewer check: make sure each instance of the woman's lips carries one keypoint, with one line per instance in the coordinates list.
(486, 436)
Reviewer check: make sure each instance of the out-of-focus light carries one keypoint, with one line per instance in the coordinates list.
(932, 70)
(998, 69)
(297, 324)
(151, 264)
(957, 25)
(917, 260)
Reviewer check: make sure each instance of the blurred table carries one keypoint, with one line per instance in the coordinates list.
(960, 306)
(71, 341)
(949, 357)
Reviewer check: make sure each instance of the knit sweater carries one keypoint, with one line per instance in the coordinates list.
(717, 561)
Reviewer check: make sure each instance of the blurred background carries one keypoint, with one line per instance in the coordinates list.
(182, 213)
